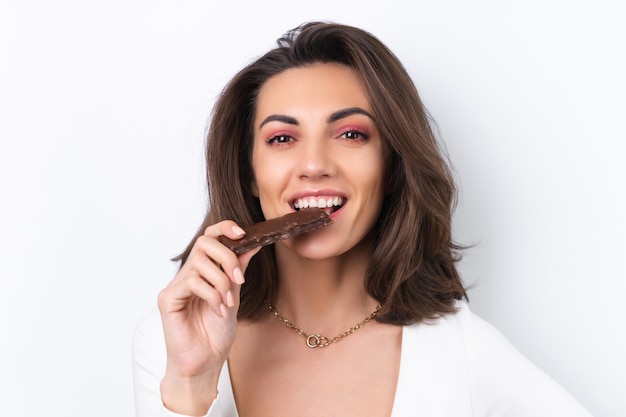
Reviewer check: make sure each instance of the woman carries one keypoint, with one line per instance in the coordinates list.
(365, 317)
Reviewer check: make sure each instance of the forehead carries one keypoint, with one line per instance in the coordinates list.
(324, 86)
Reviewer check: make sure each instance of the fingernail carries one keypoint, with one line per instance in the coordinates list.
(239, 279)
(223, 310)
(230, 301)
(238, 230)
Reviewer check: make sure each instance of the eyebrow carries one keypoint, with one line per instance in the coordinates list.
(280, 118)
(338, 115)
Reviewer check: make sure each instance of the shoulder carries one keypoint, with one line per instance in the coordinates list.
(463, 326)
(149, 344)
(149, 330)
(495, 375)
(148, 364)
(445, 345)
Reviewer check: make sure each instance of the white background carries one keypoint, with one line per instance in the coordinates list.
(102, 111)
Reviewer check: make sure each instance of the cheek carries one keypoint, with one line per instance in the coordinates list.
(370, 172)
(269, 175)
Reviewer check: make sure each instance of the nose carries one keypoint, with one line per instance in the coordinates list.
(316, 160)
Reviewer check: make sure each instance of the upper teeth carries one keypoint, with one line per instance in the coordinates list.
(321, 202)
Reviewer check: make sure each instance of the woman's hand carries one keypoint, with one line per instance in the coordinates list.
(199, 314)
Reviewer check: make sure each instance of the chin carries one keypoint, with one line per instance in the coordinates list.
(314, 249)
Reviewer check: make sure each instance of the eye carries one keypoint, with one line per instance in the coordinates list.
(280, 139)
(354, 135)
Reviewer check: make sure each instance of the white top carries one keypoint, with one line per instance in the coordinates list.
(455, 366)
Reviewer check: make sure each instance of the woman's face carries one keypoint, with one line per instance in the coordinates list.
(316, 144)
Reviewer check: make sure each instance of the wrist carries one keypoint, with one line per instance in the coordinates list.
(189, 395)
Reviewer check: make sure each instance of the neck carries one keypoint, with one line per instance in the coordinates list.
(323, 296)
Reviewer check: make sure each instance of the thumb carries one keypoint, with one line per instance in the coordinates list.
(244, 258)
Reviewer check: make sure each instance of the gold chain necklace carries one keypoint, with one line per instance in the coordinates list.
(314, 340)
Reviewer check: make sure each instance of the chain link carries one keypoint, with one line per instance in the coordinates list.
(315, 340)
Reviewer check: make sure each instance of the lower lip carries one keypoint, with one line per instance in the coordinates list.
(336, 213)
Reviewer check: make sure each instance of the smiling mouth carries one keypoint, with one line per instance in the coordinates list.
(328, 204)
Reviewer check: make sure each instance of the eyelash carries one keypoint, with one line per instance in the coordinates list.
(274, 140)
(362, 135)
(282, 139)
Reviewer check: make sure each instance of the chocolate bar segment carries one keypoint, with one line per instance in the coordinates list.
(273, 230)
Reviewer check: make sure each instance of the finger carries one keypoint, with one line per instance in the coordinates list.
(211, 248)
(226, 228)
(177, 296)
(216, 277)
(203, 290)
(246, 257)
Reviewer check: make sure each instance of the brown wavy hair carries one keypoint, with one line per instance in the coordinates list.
(412, 272)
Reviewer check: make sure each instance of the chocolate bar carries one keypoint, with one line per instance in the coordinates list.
(285, 227)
